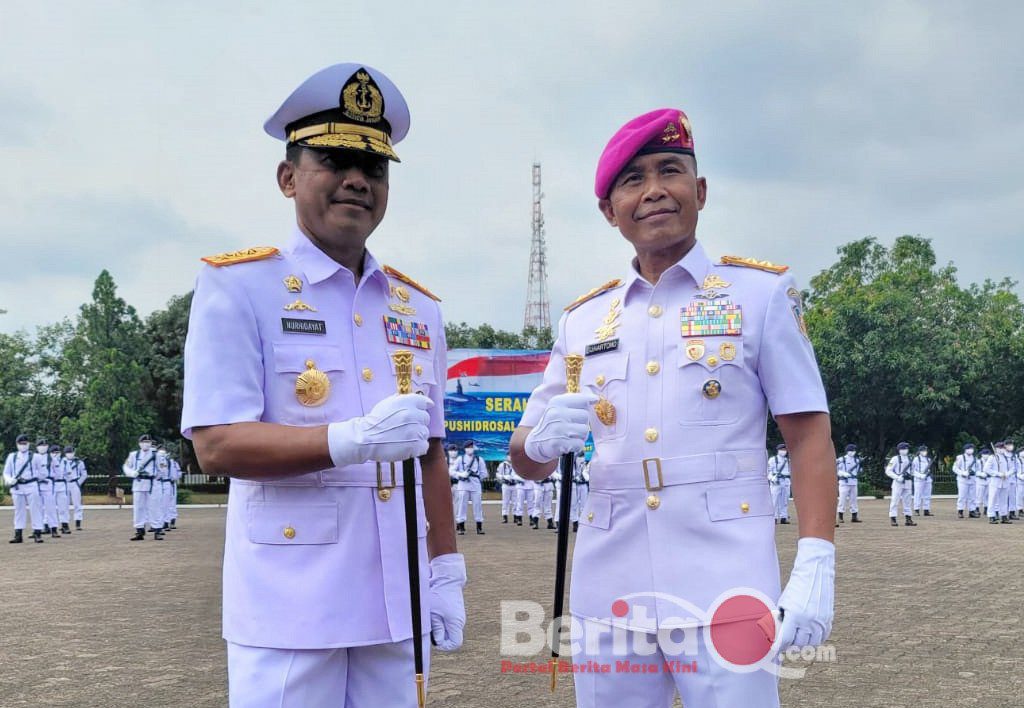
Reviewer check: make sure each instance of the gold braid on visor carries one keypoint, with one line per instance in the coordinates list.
(345, 136)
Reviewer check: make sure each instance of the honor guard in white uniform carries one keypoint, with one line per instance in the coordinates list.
(682, 360)
(546, 492)
(21, 469)
(997, 468)
(580, 491)
(965, 467)
(922, 471)
(780, 481)
(46, 488)
(1012, 494)
(61, 494)
(1020, 483)
(900, 471)
(470, 471)
(76, 474)
(527, 503)
(453, 455)
(981, 484)
(508, 487)
(142, 466)
(517, 498)
(171, 498)
(291, 390)
(848, 471)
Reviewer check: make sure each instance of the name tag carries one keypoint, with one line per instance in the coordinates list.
(291, 325)
(601, 347)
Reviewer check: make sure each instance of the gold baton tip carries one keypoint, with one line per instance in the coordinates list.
(554, 673)
(421, 697)
(403, 369)
(573, 368)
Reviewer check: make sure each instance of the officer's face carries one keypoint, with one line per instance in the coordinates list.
(340, 195)
(655, 200)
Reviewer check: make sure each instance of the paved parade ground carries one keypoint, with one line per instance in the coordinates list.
(926, 616)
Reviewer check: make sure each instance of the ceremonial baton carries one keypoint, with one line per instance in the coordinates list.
(573, 366)
(403, 373)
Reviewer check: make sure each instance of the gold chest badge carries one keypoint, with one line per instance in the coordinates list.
(610, 323)
(312, 387)
(695, 349)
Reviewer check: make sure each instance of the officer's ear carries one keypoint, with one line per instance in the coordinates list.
(605, 205)
(286, 178)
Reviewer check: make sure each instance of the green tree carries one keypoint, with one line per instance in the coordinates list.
(165, 331)
(464, 336)
(15, 382)
(102, 361)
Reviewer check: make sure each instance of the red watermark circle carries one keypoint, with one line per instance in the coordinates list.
(743, 630)
(620, 608)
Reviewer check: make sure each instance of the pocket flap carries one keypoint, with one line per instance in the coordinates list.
(292, 524)
(598, 511)
(291, 357)
(735, 501)
(714, 353)
(602, 368)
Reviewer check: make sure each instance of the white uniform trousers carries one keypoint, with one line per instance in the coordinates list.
(169, 502)
(60, 500)
(780, 497)
(523, 501)
(580, 492)
(28, 500)
(996, 497)
(455, 498)
(964, 498)
(923, 493)
(711, 685)
(901, 491)
(141, 503)
(546, 492)
(1020, 494)
(49, 504)
(980, 492)
(1009, 496)
(848, 493)
(75, 494)
(156, 505)
(474, 495)
(352, 677)
(508, 492)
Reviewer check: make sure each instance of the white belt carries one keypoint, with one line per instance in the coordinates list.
(654, 473)
(384, 475)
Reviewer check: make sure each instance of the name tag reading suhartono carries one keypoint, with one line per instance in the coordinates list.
(601, 347)
(291, 325)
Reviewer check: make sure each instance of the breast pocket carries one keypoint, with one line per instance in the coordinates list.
(606, 376)
(710, 380)
(424, 378)
(307, 375)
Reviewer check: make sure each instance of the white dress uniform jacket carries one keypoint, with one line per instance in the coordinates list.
(708, 439)
(312, 561)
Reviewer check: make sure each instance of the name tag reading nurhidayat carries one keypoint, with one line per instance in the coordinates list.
(292, 325)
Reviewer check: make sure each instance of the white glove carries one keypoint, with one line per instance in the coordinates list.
(563, 428)
(807, 603)
(447, 611)
(394, 430)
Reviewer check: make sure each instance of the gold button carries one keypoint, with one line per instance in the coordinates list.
(599, 380)
(367, 375)
(419, 370)
(384, 494)
(712, 361)
(590, 516)
(744, 507)
(653, 367)
(654, 310)
(651, 434)
(289, 532)
(358, 319)
(653, 502)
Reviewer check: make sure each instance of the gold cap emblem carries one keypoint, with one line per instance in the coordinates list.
(361, 99)
(312, 386)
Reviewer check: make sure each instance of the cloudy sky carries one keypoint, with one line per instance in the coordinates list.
(131, 138)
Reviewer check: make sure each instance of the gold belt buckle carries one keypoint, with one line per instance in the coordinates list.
(647, 474)
(384, 490)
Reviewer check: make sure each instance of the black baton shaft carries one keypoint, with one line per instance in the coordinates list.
(413, 553)
(568, 466)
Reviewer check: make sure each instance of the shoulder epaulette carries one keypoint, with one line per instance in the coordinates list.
(754, 263)
(611, 284)
(399, 275)
(256, 253)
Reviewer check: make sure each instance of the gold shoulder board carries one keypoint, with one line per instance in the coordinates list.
(399, 275)
(754, 263)
(593, 293)
(256, 253)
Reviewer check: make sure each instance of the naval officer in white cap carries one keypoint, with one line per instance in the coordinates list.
(290, 390)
